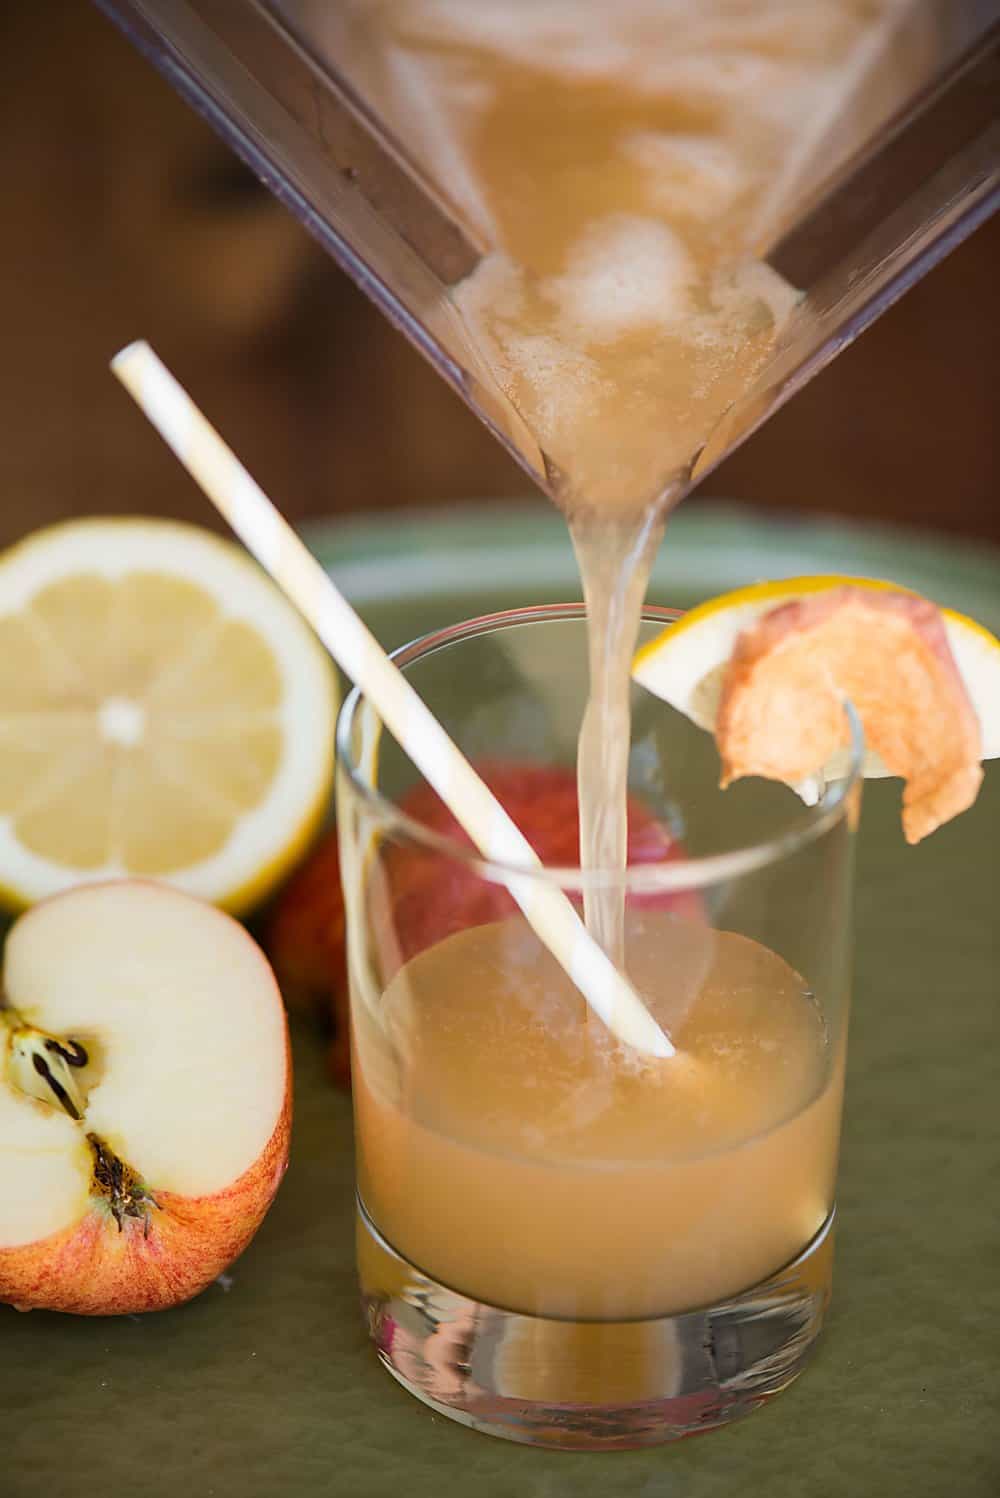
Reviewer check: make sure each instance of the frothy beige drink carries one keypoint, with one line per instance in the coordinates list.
(623, 162)
(516, 1155)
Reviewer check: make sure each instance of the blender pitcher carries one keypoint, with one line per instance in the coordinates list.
(877, 192)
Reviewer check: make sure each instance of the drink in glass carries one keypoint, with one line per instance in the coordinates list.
(559, 1240)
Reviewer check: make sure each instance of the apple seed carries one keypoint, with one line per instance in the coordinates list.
(42, 1065)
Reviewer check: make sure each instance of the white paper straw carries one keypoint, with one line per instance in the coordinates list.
(272, 541)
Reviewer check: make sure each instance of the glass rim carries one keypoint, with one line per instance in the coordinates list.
(681, 872)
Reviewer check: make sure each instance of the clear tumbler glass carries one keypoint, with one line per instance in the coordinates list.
(559, 1241)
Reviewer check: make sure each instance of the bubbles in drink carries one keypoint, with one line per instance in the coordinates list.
(625, 274)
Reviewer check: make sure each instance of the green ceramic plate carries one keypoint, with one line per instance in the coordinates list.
(406, 571)
(265, 1386)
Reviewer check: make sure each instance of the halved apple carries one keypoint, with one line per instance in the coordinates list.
(145, 1099)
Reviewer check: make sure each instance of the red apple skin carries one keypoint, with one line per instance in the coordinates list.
(92, 1269)
(431, 897)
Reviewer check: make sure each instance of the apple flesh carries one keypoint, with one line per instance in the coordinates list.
(145, 1099)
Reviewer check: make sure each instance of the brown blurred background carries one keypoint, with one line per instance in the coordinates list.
(123, 217)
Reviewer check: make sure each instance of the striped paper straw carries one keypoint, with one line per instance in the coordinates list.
(215, 467)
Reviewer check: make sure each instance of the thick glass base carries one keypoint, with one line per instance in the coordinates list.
(591, 1385)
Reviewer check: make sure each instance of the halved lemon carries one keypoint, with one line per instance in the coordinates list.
(164, 711)
(767, 662)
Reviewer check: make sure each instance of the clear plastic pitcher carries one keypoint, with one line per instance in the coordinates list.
(877, 196)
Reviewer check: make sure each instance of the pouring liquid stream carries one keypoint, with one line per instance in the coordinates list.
(621, 169)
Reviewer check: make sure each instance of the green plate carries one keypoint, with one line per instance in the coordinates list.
(265, 1386)
(413, 572)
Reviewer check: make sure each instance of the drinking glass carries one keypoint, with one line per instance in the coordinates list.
(559, 1241)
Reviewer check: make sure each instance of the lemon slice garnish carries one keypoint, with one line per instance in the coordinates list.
(909, 668)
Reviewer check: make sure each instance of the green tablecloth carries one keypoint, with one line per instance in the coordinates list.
(266, 1386)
